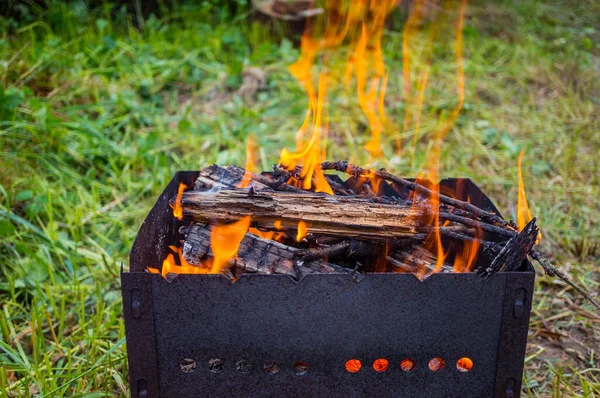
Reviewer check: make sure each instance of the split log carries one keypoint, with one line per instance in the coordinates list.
(417, 260)
(231, 176)
(348, 216)
(356, 171)
(255, 255)
(514, 252)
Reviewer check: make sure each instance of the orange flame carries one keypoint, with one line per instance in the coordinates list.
(311, 156)
(250, 150)
(225, 240)
(271, 235)
(363, 23)
(431, 177)
(302, 230)
(523, 212)
(177, 209)
(170, 266)
(464, 261)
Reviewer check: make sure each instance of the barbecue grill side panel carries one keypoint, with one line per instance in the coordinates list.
(325, 320)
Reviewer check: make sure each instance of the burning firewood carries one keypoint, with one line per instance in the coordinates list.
(367, 225)
(416, 261)
(515, 251)
(347, 216)
(255, 255)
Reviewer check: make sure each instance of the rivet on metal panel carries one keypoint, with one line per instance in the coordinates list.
(136, 304)
(510, 388)
(520, 303)
(142, 387)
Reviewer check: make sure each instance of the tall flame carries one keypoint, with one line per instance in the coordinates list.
(225, 240)
(250, 150)
(362, 22)
(177, 209)
(302, 230)
(431, 176)
(523, 212)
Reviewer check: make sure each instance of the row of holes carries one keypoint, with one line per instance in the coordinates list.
(409, 364)
(380, 365)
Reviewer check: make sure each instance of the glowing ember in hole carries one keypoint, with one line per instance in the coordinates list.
(464, 364)
(408, 365)
(381, 365)
(436, 364)
(353, 365)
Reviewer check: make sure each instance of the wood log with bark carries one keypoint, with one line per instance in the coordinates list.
(348, 216)
(255, 255)
(367, 225)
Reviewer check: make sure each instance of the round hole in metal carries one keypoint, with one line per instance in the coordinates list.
(271, 367)
(408, 364)
(436, 364)
(464, 364)
(215, 365)
(380, 365)
(353, 365)
(187, 365)
(243, 366)
(300, 368)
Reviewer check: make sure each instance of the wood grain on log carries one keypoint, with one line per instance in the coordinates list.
(347, 216)
(231, 176)
(416, 261)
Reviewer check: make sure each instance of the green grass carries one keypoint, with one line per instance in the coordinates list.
(97, 113)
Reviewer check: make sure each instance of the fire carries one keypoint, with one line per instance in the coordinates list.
(250, 151)
(359, 26)
(177, 210)
(362, 24)
(431, 176)
(302, 230)
(271, 235)
(170, 266)
(523, 212)
(464, 261)
(225, 240)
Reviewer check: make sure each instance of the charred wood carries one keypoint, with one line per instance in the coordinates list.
(231, 176)
(418, 260)
(255, 255)
(356, 171)
(514, 252)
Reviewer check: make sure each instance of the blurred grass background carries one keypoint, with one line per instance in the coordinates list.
(100, 105)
